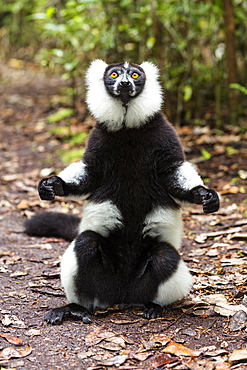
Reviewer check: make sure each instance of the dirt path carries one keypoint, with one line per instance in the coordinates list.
(201, 332)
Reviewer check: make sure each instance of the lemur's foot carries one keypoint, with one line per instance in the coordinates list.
(57, 315)
(152, 311)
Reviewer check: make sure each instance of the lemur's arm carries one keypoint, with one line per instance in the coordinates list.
(184, 184)
(73, 181)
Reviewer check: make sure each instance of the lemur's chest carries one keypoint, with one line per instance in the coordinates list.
(129, 152)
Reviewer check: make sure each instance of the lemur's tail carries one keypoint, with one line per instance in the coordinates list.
(53, 224)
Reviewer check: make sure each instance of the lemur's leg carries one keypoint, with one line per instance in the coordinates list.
(87, 267)
(165, 272)
(161, 277)
(87, 275)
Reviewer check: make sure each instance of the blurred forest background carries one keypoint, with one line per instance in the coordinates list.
(199, 46)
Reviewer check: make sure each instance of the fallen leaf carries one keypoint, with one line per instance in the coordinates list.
(13, 321)
(222, 366)
(164, 359)
(110, 346)
(212, 252)
(178, 349)
(11, 339)
(215, 298)
(12, 260)
(85, 354)
(45, 172)
(124, 322)
(18, 273)
(222, 307)
(199, 365)
(155, 341)
(238, 321)
(160, 338)
(239, 236)
(189, 331)
(4, 253)
(118, 340)
(141, 356)
(23, 204)
(233, 261)
(3, 270)
(216, 352)
(33, 332)
(203, 237)
(200, 239)
(229, 309)
(238, 355)
(114, 361)
(12, 177)
(96, 336)
(11, 352)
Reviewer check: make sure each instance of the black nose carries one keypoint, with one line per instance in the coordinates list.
(124, 83)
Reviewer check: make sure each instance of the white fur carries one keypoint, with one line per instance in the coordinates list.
(187, 177)
(176, 287)
(110, 111)
(74, 173)
(100, 217)
(69, 269)
(165, 224)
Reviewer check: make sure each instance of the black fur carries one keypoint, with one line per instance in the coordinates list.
(133, 273)
(53, 224)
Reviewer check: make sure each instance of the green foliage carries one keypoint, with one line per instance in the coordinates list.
(77, 138)
(184, 37)
(69, 156)
(230, 150)
(239, 87)
(205, 155)
(60, 114)
(64, 133)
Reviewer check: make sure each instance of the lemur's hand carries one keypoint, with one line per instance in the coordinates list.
(50, 187)
(208, 197)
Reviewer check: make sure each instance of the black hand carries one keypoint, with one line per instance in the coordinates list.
(208, 197)
(50, 187)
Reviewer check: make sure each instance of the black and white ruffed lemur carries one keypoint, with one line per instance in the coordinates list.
(133, 178)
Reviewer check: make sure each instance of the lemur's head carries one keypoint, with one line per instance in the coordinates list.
(123, 94)
(124, 81)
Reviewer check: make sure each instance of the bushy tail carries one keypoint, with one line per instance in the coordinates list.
(54, 224)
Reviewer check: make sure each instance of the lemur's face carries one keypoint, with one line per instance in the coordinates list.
(124, 81)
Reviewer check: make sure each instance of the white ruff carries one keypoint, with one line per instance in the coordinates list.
(69, 269)
(176, 287)
(166, 225)
(110, 111)
(100, 217)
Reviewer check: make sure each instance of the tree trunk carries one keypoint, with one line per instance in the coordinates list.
(228, 9)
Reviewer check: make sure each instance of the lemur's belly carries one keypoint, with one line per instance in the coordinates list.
(162, 223)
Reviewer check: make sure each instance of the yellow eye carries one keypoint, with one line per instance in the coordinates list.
(135, 75)
(113, 75)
